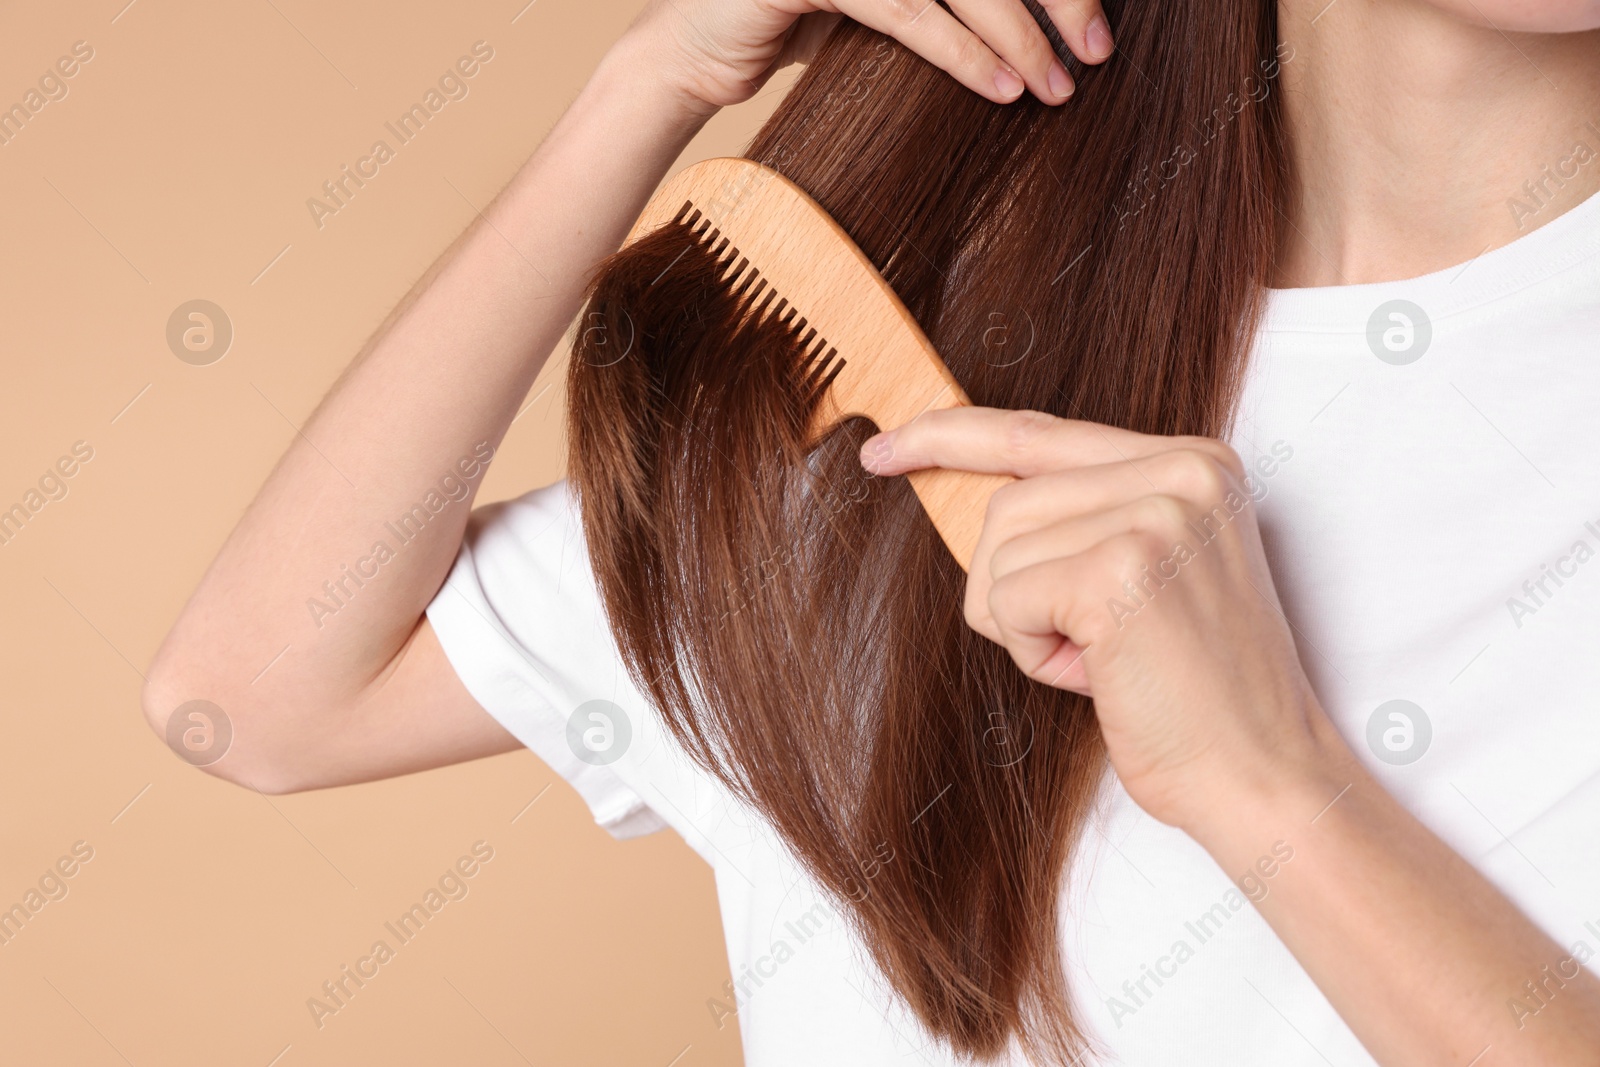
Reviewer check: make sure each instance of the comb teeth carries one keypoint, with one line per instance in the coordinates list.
(820, 362)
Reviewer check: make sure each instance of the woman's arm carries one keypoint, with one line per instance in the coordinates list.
(365, 691)
(1092, 570)
(439, 384)
(1424, 959)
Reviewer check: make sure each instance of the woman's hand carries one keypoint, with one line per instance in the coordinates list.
(720, 52)
(1129, 567)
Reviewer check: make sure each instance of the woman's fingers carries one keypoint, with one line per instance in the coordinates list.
(1183, 484)
(1163, 517)
(1010, 30)
(1034, 612)
(1095, 511)
(940, 38)
(1025, 444)
(991, 441)
(1011, 542)
(993, 47)
(1083, 25)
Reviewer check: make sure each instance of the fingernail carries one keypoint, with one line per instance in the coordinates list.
(877, 450)
(1060, 81)
(1098, 37)
(1008, 83)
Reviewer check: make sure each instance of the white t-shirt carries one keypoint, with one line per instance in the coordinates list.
(1430, 467)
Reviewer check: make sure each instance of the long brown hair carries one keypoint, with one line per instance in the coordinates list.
(798, 623)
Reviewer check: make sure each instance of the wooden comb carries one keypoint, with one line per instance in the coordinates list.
(866, 351)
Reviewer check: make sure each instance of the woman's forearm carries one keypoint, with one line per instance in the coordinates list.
(417, 412)
(1425, 960)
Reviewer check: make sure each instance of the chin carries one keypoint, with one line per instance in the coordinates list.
(1527, 16)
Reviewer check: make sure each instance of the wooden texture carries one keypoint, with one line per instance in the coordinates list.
(881, 363)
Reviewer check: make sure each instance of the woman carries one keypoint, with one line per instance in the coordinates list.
(1394, 768)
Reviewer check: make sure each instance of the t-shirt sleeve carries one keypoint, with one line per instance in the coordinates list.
(520, 620)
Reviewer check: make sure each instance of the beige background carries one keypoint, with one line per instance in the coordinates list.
(178, 167)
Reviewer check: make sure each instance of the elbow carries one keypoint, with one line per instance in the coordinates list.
(203, 727)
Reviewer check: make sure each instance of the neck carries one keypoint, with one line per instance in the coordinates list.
(1419, 141)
